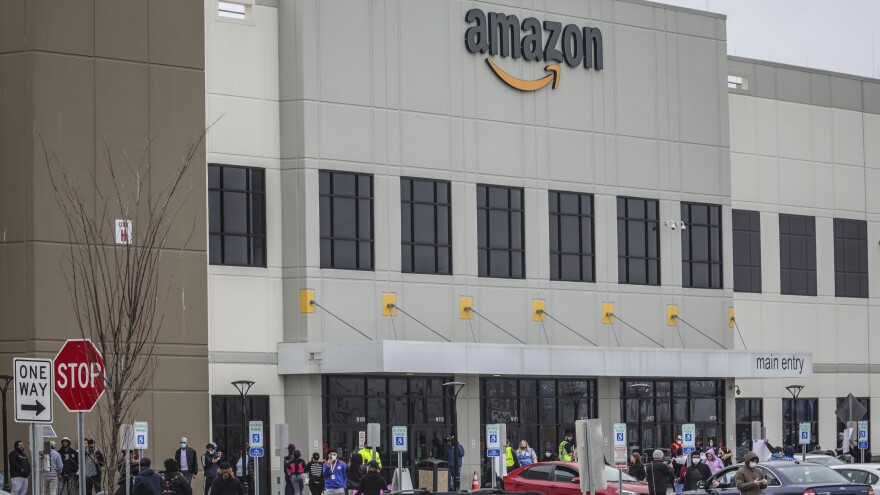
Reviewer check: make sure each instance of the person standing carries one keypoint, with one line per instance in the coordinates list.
(726, 455)
(749, 478)
(70, 468)
(696, 473)
(226, 482)
(50, 477)
(453, 456)
(334, 473)
(525, 454)
(211, 464)
(297, 476)
(715, 464)
(173, 482)
(354, 473)
(94, 461)
(186, 459)
(566, 448)
(658, 474)
(367, 455)
(636, 468)
(148, 482)
(19, 469)
(372, 483)
(315, 468)
(675, 447)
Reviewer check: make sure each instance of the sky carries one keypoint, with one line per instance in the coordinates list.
(836, 35)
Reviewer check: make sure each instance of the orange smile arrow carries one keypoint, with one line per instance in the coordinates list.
(524, 85)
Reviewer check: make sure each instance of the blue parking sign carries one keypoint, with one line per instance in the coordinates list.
(256, 438)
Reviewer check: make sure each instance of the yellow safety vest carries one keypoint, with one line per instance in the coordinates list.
(510, 461)
(563, 453)
(367, 455)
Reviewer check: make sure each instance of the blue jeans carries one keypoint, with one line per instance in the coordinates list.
(452, 475)
(678, 487)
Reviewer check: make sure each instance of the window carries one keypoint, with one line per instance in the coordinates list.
(236, 215)
(231, 10)
(772, 480)
(226, 416)
(425, 228)
(669, 404)
(807, 412)
(747, 410)
(346, 220)
(571, 237)
(564, 474)
(726, 478)
(501, 236)
(856, 475)
(539, 472)
(737, 82)
(797, 254)
(638, 241)
(850, 258)
(701, 246)
(746, 251)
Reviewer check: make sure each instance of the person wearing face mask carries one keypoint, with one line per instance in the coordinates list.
(19, 469)
(525, 454)
(334, 474)
(186, 459)
(696, 472)
(226, 483)
(750, 478)
(210, 465)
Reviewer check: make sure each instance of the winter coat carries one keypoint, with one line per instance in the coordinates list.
(148, 482)
(747, 477)
(371, 484)
(179, 485)
(659, 476)
(316, 474)
(191, 465)
(695, 474)
(637, 471)
(19, 465)
(70, 460)
(226, 486)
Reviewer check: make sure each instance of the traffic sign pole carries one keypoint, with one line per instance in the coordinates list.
(80, 434)
(398, 444)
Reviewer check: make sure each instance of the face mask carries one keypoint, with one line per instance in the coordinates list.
(695, 460)
(753, 464)
(183, 445)
(333, 457)
(211, 452)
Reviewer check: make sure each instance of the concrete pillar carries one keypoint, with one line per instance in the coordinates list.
(827, 423)
(773, 419)
(608, 393)
(730, 413)
(303, 412)
(469, 428)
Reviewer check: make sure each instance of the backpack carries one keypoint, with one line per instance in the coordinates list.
(168, 485)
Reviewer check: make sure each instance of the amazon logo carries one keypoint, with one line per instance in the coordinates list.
(504, 35)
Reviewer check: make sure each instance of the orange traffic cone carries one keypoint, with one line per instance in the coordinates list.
(476, 484)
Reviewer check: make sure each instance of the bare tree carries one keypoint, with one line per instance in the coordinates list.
(118, 292)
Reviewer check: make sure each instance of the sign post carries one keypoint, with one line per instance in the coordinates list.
(398, 444)
(863, 438)
(804, 439)
(281, 440)
(79, 383)
(256, 453)
(493, 445)
(620, 444)
(33, 390)
(688, 440)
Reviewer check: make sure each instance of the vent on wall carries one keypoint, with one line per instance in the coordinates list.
(232, 10)
(737, 82)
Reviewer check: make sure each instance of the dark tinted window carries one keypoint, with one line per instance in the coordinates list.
(346, 204)
(850, 258)
(802, 411)
(797, 254)
(539, 472)
(564, 474)
(236, 215)
(638, 241)
(425, 226)
(500, 232)
(572, 246)
(701, 246)
(746, 251)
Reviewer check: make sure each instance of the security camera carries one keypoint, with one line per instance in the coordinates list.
(682, 225)
(670, 224)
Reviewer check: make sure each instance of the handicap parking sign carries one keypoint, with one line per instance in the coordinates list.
(256, 438)
(688, 437)
(399, 441)
(619, 436)
(493, 438)
(140, 440)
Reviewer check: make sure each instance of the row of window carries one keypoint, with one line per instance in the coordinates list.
(237, 234)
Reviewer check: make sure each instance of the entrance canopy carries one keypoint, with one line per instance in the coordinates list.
(395, 356)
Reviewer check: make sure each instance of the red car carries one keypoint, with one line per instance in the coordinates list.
(562, 478)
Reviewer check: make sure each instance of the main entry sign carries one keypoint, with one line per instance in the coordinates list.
(79, 375)
(33, 390)
(532, 40)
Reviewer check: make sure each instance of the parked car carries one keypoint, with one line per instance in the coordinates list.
(787, 478)
(868, 474)
(563, 478)
(825, 460)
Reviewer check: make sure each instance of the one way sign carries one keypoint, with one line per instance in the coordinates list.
(33, 390)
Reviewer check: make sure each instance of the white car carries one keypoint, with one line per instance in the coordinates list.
(825, 460)
(867, 474)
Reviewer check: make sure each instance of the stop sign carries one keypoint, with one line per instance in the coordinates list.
(79, 375)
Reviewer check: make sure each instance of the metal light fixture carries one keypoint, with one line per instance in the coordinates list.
(640, 389)
(456, 388)
(6, 379)
(243, 387)
(795, 391)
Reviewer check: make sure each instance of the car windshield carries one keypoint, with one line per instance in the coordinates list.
(811, 474)
(611, 475)
(826, 460)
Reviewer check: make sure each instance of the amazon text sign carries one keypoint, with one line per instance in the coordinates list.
(504, 35)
